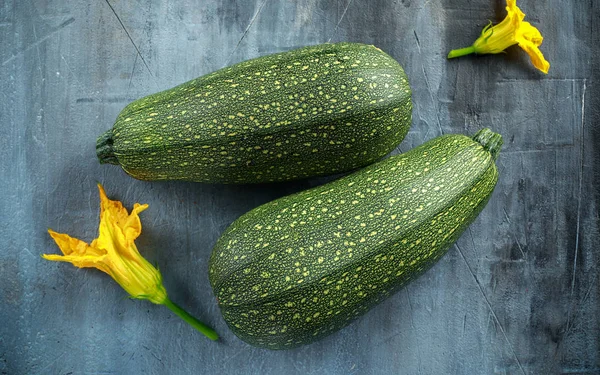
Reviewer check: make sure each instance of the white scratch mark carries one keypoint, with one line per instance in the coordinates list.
(339, 21)
(39, 41)
(245, 32)
(30, 253)
(130, 38)
(519, 246)
(52, 362)
(433, 101)
(131, 75)
(37, 47)
(583, 301)
(514, 235)
(581, 154)
(491, 309)
(412, 323)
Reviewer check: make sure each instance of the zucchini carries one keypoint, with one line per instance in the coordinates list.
(303, 266)
(313, 111)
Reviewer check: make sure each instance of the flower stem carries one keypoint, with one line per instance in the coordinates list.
(203, 328)
(461, 52)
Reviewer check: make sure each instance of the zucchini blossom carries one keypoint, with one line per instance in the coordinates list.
(115, 253)
(512, 30)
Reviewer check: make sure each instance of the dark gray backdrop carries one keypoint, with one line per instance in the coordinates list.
(519, 293)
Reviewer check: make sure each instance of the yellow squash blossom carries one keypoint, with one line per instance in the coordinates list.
(512, 30)
(114, 252)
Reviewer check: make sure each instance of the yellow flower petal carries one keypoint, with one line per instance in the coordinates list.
(85, 261)
(536, 56)
(129, 223)
(529, 32)
(514, 13)
(133, 226)
(69, 245)
(76, 252)
(115, 207)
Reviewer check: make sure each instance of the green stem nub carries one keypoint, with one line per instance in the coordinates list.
(203, 328)
(490, 141)
(461, 52)
(105, 150)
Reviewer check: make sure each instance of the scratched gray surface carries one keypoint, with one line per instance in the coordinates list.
(520, 292)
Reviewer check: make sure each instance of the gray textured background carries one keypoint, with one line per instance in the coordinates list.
(520, 293)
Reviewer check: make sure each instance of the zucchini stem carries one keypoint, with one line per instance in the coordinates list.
(104, 148)
(490, 141)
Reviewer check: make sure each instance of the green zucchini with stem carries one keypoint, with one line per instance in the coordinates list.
(313, 111)
(303, 266)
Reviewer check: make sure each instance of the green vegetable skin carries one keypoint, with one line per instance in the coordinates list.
(303, 266)
(313, 111)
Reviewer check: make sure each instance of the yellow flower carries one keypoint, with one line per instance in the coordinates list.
(114, 252)
(512, 30)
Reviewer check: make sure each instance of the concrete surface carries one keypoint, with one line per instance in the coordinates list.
(519, 294)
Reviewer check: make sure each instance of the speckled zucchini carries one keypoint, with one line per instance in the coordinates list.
(313, 111)
(303, 266)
